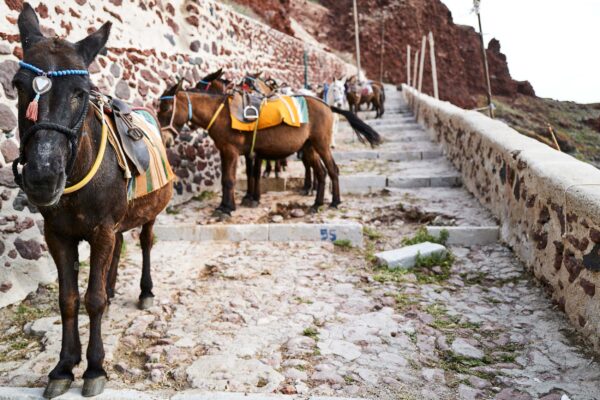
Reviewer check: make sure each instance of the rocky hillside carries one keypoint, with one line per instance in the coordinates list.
(460, 68)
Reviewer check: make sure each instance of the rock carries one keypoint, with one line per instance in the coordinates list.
(115, 70)
(463, 348)
(7, 178)
(5, 286)
(8, 69)
(41, 326)
(8, 120)
(5, 49)
(433, 375)
(276, 218)
(28, 249)
(297, 213)
(340, 348)
(156, 375)
(10, 150)
(295, 374)
(479, 383)
(195, 46)
(468, 393)
(406, 257)
(512, 394)
(225, 372)
(122, 90)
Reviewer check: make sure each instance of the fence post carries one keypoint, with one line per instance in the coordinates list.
(408, 65)
(416, 68)
(433, 66)
(422, 63)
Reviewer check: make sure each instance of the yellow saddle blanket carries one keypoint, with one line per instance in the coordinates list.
(287, 110)
(159, 172)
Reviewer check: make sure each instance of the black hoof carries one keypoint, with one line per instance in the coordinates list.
(146, 303)
(305, 192)
(56, 387)
(246, 202)
(314, 209)
(93, 386)
(254, 204)
(334, 205)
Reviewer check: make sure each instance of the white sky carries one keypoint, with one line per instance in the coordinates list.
(554, 44)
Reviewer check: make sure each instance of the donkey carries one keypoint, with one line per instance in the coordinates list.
(211, 112)
(58, 151)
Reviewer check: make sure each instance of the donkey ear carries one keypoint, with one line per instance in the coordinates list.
(219, 73)
(89, 47)
(29, 27)
(179, 85)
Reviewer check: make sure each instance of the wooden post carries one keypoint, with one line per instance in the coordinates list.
(485, 64)
(382, 45)
(416, 69)
(356, 34)
(433, 66)
(422, 63)
(408, 65)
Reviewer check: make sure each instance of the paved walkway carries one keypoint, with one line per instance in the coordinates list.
(318, 319)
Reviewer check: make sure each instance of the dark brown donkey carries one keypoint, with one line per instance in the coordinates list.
(313, 138)
(58, 151)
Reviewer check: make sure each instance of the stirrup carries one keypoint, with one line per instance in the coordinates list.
(250, 113)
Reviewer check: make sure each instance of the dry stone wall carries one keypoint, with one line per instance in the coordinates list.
(152, 43)
(548, 202)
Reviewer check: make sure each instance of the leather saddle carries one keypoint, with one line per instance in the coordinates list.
(130, 136)
(246, 106)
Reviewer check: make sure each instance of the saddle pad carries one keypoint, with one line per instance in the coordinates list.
(159, 172)
(291, 111)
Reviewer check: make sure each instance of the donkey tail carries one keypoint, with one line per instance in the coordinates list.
(362, 129)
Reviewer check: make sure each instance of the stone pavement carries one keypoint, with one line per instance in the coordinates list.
(321, 319)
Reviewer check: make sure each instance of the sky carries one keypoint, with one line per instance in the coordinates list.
(554, 44)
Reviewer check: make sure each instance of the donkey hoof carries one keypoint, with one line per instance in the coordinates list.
(56, 387)
(247, 202)
(93, 386)
(146, 303)
(254, 204)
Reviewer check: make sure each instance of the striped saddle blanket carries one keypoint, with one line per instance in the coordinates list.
(159, 172)
(289, 110)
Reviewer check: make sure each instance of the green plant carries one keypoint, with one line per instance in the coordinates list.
(311, 332)
(343, 243)
(371, 233)
(422, 236)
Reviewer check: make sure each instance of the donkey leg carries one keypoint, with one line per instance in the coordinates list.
(268, 169)
(315, 163)
(102, 247)
(308, 182)
(111, 278)
(146, 240)
(256, 180)
(333, 172)
(65, 255)
(250, 161)
(229, 158)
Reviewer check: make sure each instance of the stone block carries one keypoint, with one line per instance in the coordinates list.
(467, 235)
(362, 184)
(351, 231)
(406, 257)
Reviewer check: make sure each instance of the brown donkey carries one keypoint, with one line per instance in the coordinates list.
(60, 150)
(211, 112)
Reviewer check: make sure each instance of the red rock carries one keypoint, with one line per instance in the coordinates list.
(42, 10)
(15, 5)
(8, 120)
(193, 20)
(28, 249)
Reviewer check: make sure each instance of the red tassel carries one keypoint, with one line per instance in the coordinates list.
(32, 110)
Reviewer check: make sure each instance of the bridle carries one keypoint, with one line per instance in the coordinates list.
(72, 133)
(171, 127)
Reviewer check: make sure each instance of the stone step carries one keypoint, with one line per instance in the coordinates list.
(450, 180)
(272, 184)
(467, 235)
(406, 257)
(20, 393)
(409, 155)
(302, 232)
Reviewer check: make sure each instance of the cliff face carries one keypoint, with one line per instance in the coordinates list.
(459, 61)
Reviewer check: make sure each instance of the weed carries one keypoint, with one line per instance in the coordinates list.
(423, 236)
(371, 233)
(343, 244)
(311, 332)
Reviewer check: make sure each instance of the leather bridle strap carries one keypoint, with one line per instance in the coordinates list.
(72, 135)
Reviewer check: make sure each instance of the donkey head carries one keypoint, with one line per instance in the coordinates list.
(172, 114)
(46, 152)
(212, 83)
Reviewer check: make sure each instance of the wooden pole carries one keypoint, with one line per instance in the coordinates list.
(356, 34)
(416, 69)
(422, 63)
(433, 66)
(554, 137)
(408, 65)
(382, 45)
(486, 68)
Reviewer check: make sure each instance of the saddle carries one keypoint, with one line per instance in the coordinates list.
(130, 135)
(246, 106)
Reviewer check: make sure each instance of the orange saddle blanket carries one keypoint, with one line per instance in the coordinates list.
(289, 110)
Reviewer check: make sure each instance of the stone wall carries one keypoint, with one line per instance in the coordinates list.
(152, 42)
(548, 202)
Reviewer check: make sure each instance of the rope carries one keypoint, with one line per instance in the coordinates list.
(256, 130)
